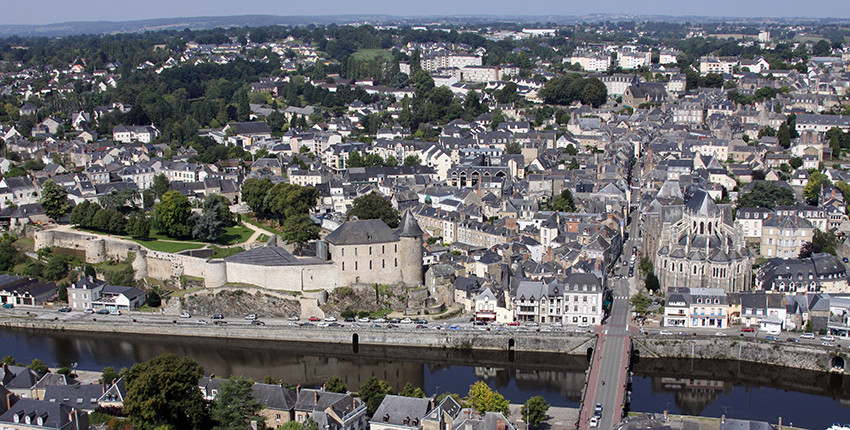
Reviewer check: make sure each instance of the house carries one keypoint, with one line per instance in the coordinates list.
(82, 293)
(696, 307)
(40, 414)
(764, 309)
(443, 416)
(115, 297)
(400, 413)
(130, 133)
(18, 379)
(245, 134)
(278, 403)
(820, 273)
(638, 94)
(784, 236)
(330, 410)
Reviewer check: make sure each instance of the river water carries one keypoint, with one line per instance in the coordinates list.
(694, 387)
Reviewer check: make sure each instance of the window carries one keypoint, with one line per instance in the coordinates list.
(370, 264)
(343, 266)
(370, 250)
(396, 262)
(355, 265)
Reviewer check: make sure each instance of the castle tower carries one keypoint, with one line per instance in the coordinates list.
(410, 242)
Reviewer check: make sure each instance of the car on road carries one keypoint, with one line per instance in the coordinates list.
(363, 320)
(479, 322)
(421, 321)
(720, 333)
(257, 322)
(333, 324)
(64, 309)
(395, 321)
(115, 312)
(251, 316)
(748, 329)
(349, 320)
(827, 344)
(219, 322)
(218, 317)
(770, 338)
(330, 319)
(828, 338)
(202, 321)
(185, 315)
(322, 324)
(454, 327)
(407, 321)
(598, 409)
(631, 272)
(421, 326)
(513, 323)
(103, 312)
(594, 421)
(846, 260)
(379, 321)
(807, 336)
(532, 324)
(664, 333)
(791, 339)
(292, 319)
(88, 311)
(306, 324)
(314, 319)
(8, 305)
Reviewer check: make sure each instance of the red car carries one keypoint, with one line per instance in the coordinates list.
(748, 329)
(513, 323)
(314, 319)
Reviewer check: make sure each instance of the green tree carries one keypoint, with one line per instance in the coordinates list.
(160, 185)
(483, 399)
(9, 255)
(497, 119)
(234, 406)
(108, 375)
(412, 160)
(821, 48)
(208, 226)
(138, 226)
(594, 92)
(645, 265)
(54, 200)
(56, 268)
(652, 283)
(534, 411)
(564, 202)
(62, 292)
(784, 135)
(766, 195)
(291, 425)
(173, 215)
(795, 162)
(374, 206)
(513, 148)
(817, 181)
(9, 360)
(164, 391)
(254, 193)
(641, 303)
(571, 150)
(299, 229)
(335, 384)
(39, 367)
(410, 391)
(372, 392)
(153, 298)
(355, 160)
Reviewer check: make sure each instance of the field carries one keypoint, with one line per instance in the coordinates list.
(371, 54)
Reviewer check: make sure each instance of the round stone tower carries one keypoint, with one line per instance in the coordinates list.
(140, 264)
(95, 251)
(215, 273)
(410, 252)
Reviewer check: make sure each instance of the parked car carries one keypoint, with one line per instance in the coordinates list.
(379, 321)
(314, 319)
(251, 316)
(292, 319)
(720, 333)
(333, 324)
(330, 319)
(218, 317)
(115, 312)
(395, 321)
(349, 320)
(257, 322)
(664, 333)
(8, 305)
(791, 339)
(185, 315)
(770, 338)
(421, 326)
(421, 321)
(594, 421)
(363, 320)
(598, 409)
(407, 321)
(454, 327)
(748, 329)
(103, 312)
(513, 323)
(828, 338)
(807, 336)
(65, 309)
(88, 311)
(202, 321)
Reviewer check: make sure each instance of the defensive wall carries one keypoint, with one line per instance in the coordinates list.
(215, 272)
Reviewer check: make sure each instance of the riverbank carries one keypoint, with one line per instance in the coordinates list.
(793, 355)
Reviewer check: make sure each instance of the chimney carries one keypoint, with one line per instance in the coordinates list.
(780, 423)
(253, 424)
(500, 424)
(407, 420)
(723, 419)
(386, 418)
(315, 397)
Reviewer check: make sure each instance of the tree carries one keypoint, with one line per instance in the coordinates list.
(571, 150)
(811, 191)
(645, 265)
(564, 202)
(497, 119)
(164, 391)
(39, 367)
(300, 229)
(652, 283)
(54, 200)
(62, 292)
(173, 215)
(9, 255)
(335, 384)
(534, 411)
(795, 162)
(641, 303)
(784, 136)
(766, 195)
(56, 268)
(153, 298)
(594, 92)
(410, 391)
(9, 360)
(254, 193)
(138, 226)
(208, 226)
(824, 241)
(513, 148)
(374, 206)
(372, 392)
(821, 48)
(483, 399)
(160, 185)
(291, 425)
(412, 160)
(108, 375)
(234, 406)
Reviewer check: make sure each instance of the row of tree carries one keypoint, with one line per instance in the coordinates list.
(288, 204)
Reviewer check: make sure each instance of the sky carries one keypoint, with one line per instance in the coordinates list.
(53, 11)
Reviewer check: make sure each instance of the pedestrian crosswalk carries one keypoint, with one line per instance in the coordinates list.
(621, 297)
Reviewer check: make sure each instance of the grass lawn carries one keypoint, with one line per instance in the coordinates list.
(234, 235)
(371, 54)
(159, 245)
(263, 238)
(381, 313)
(226, 252)
(255, 223)
(24, 244)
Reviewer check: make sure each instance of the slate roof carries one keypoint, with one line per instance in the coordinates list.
(55, 415)
(255, 127)
(395, 410)
(269, 256)
(362, 232)
(409, 226)
(274, 396)
(82, 396)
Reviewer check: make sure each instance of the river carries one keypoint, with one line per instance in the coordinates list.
(695, 387)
